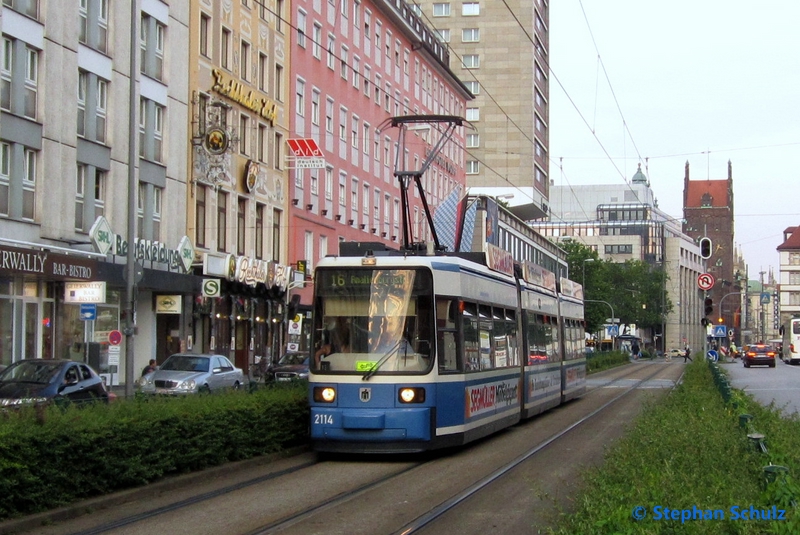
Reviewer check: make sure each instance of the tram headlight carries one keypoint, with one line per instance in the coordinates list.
(324, 394)
(411, 395)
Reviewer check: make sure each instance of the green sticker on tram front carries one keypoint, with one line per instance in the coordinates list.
(364, 365)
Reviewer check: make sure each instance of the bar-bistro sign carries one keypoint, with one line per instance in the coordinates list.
(105, 241)
(48, 265)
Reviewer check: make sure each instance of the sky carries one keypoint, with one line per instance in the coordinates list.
(665, 83)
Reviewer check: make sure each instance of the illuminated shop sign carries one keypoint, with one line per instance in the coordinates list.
(85, 292)
(247, 270)
(234, 90)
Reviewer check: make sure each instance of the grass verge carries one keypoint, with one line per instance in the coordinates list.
(689, 453)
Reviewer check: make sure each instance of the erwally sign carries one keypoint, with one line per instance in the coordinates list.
(49, 266)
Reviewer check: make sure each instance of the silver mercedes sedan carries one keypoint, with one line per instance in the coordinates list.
(189, 373)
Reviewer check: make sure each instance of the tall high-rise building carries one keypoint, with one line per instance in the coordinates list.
(501, 52)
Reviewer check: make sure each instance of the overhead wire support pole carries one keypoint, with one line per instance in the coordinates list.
(405, 176)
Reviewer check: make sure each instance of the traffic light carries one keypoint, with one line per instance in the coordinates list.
(720, 320)
(709, 306)
(705, 247)
(704, 322)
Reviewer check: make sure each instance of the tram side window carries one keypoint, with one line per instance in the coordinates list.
(446, 314)
(552, 347)
(486, 337)
(504, 340)
(537, 339)
(469, 322)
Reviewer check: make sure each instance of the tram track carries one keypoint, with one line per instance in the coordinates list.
(363, 488)
(437, 512)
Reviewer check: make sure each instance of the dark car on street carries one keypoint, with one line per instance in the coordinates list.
(291, 366)
(759, 354)
(35, 381)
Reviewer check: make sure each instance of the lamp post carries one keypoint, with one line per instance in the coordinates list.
(584, 275)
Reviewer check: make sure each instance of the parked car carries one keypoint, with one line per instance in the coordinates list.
(32, 381)
(291, 366)
(675, 353)
(759, 354)
(189, 373)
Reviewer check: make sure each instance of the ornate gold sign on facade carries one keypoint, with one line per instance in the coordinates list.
(217, 141)
(234, 90)
(251, 175)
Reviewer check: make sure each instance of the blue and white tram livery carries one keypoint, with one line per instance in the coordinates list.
(424, 352)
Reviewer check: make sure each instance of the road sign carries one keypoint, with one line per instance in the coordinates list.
(712, 355)
(765, 297)
(719, 331)
(705, 281)
(115, 337)
(612, 330)
(88, 311)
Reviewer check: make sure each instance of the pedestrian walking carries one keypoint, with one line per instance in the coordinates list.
(687, 354)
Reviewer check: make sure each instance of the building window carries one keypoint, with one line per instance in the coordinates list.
(244, 134)
(619, 249)
(279, 83)
(278, 164)
(473, 114)
(205, 27)
(5, 177)
(473, 167)
(93, 30)
(343, 62)
(441, 9)
(365, 200)
(276, 235)
(263, 72)
(225, 49)
(342, 189)
(473, 87)
(300, 95)
(473, 141)
(329, 116)
(149, 205)
(241, 225)
(89, 196)
(92, 103)
(470, 35)
(151, 47)
(151, 130)
(315, 107)
(12, 50)
(244, 60)
(200, 216)
(470, 9)
(329, 183)
(301, 28)
(314, 182)
(28, 184)
(471, 61)
(222, 220)
(259, 231)
(263, 149)
(316, 44)
(329, 49)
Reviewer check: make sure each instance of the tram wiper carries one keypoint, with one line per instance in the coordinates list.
(392, 350)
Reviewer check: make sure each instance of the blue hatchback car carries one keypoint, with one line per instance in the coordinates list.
(34, 381)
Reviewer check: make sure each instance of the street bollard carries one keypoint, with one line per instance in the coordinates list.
(744, 419)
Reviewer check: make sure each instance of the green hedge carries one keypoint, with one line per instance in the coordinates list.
(597, 362)
(55, 456)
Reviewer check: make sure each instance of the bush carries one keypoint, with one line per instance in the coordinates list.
(55, 456)
(597, 362)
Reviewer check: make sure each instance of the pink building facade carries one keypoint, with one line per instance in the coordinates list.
(354, 65)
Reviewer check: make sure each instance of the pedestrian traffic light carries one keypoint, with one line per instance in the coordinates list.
(705, 247)
(709, 304)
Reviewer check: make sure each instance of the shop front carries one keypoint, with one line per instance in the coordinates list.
(242, 315)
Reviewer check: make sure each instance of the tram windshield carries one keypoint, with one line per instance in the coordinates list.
(371, 321)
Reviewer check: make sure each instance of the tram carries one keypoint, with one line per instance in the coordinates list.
(418, 351)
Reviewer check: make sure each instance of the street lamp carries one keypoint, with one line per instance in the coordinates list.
(584, 275)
